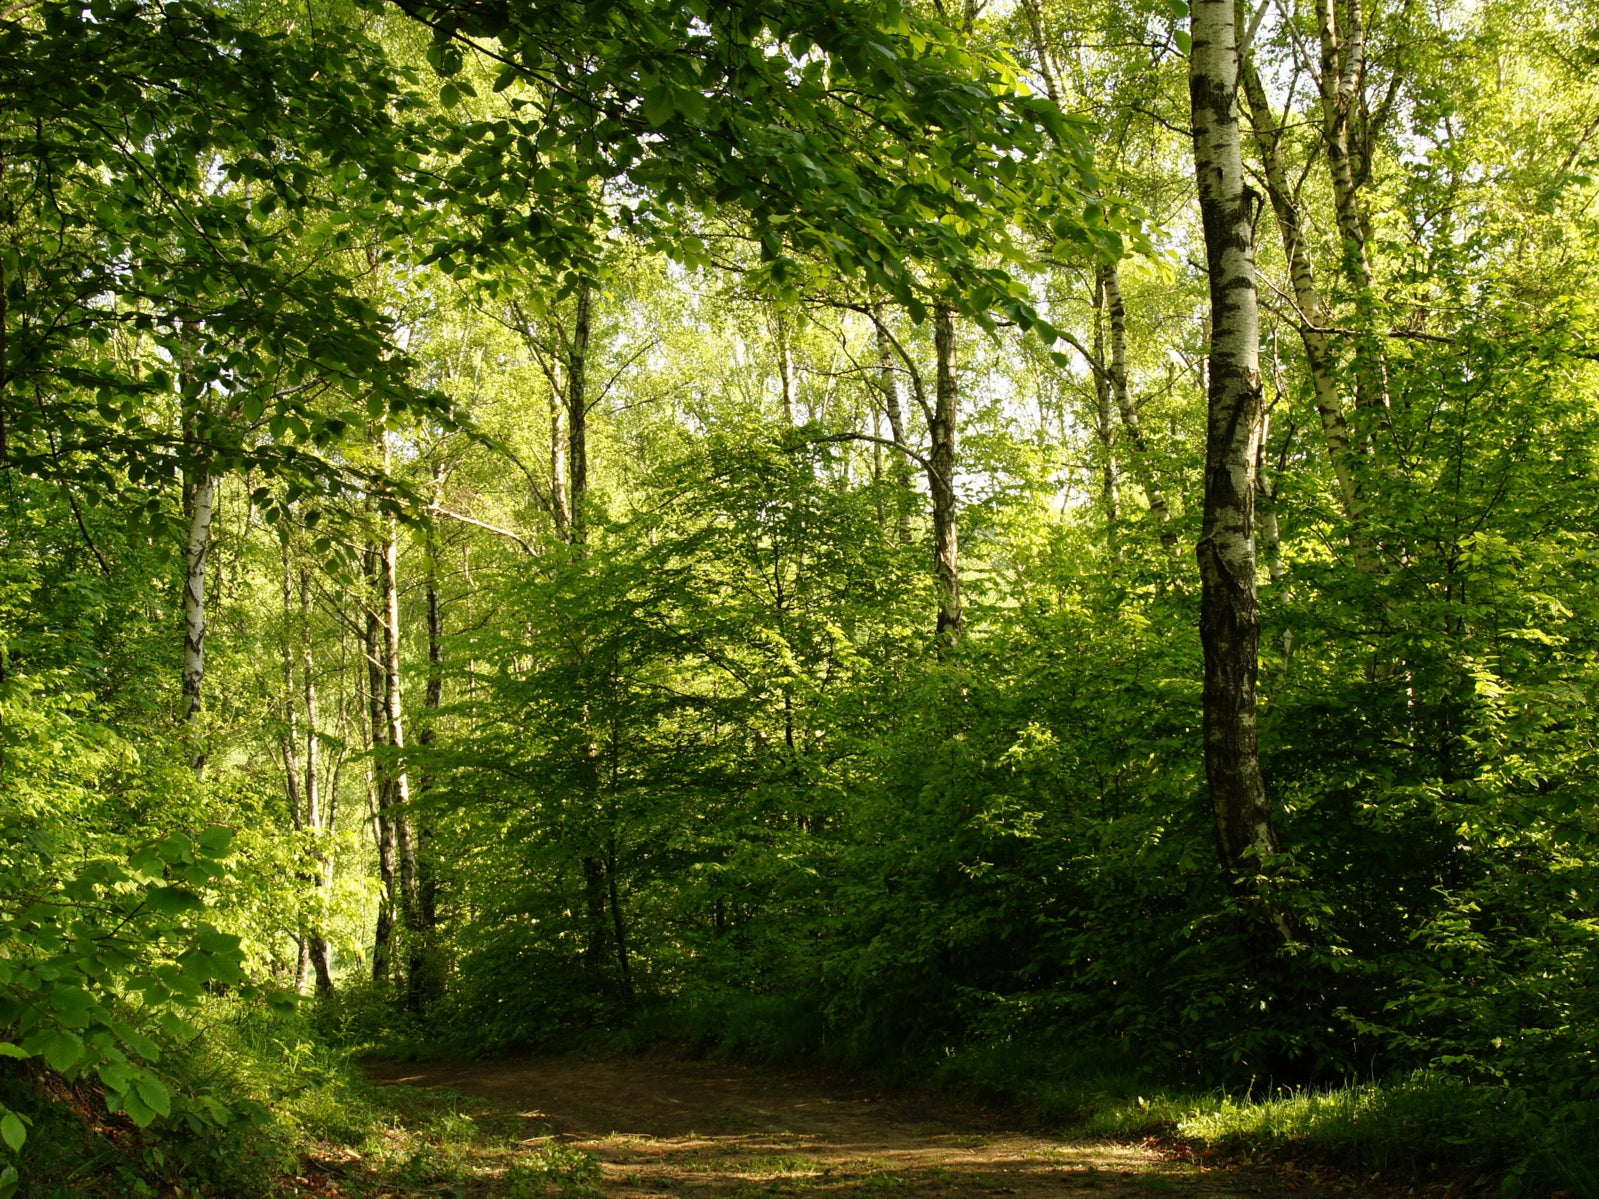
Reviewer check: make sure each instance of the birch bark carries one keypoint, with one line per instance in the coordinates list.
(941, 480)
(1229, 622)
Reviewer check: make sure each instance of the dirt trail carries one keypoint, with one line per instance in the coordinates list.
(706, 1130)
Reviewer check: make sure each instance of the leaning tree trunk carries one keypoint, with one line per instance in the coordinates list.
(1229, 621)
(291, 760)
(941, 481)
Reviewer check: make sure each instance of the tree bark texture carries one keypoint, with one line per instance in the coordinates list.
(941, 480)
(1229, 623)
(201, 508)
(1105, 425)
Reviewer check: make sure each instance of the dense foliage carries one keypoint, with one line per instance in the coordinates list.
(523, 521)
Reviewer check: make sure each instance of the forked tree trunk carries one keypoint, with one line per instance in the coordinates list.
(941, 480)
(1313, 320)
(1229, 622)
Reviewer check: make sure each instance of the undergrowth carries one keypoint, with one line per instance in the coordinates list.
(291, 1105)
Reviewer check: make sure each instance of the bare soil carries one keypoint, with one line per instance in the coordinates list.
(710, 1130)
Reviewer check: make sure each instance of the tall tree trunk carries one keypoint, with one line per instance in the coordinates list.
(1341, 81)
(941, 480)
(398, 777)
(317, 820)
(1109, 483)
(1313, 320)
(431, 703)
(291, 759)
(200, 496)
(900, 466)
(619, 925)
(785, 366)
(578, 468)
(1229, 622)
(382, 810)
(577, 417)
(559, 506)
(1154, 496)
(594, 900)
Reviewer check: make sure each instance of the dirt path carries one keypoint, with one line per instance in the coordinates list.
(706, 1130)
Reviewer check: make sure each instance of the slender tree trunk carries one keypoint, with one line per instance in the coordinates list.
(594, 898)
(1313, 320)
(558, 486)
(1229, 623)
(941, 480)
(577, 418)
(382, 809)
(291, 760)
(619, 926)
(1342, 82)
(431, 703)
(1109, 483)
(900, 466)
(201, 505)
(785, 367)
(1154, 496)
(398, 780)
(317, 820)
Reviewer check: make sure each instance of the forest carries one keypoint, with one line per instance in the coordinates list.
(1041, 550)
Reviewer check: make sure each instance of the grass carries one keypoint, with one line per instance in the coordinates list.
(1416, 1126)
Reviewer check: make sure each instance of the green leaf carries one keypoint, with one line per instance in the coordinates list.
(8, 1182)
(8, 1049)
(12, 1131)
(1177, 8)
(659, 106)
(154, 1093)
(1185, 44)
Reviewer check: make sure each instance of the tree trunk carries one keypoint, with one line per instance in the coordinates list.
(1229, 623)
(559, 508)
(577, 418)
(594, 899)
(785, 367)
(1116, 309)
(201, 505)
(382, 812)
(1312, 312)
(941, 480)
(1342, 82)
(431, 703)
(900, 467)
(291, 760)
(619, 926)
(397, 777)
(318, 821)
(1109, 483)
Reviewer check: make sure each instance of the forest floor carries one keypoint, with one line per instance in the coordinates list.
(663, 1127)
